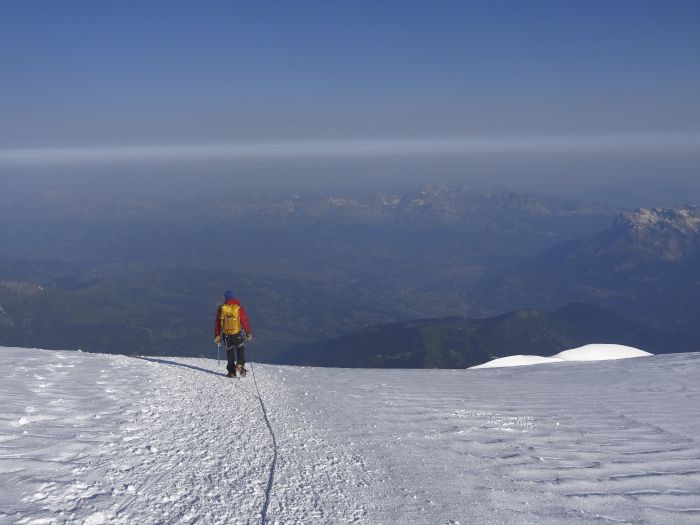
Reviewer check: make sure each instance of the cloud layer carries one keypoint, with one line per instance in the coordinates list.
(542, 144)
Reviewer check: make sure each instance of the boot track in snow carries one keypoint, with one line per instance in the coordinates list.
(271, 480)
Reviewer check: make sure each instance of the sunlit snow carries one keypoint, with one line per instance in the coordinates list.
(593, 352)
(90, 438)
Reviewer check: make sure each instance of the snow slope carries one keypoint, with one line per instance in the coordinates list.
(593, 352)
(89, 438)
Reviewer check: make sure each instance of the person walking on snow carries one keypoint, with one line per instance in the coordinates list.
(232, 325)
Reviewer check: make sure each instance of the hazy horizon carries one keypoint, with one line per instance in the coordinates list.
(306, 96)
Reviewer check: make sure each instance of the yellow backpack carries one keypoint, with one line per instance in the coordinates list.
(230, 318)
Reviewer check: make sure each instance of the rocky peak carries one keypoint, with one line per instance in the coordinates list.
(684, 220)
(671, 233)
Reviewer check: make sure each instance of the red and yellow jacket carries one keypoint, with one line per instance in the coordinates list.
(245, 323)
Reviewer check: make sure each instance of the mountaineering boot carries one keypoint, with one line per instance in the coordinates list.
(232, 374)
(241, 370)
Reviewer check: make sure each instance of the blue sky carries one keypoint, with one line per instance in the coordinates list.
(137, 74)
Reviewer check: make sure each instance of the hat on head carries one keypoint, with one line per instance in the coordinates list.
(228, 295)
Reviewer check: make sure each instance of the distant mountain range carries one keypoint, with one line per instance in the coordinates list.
(459, 343)
(140, 233)
(439, 204)
(646, 266)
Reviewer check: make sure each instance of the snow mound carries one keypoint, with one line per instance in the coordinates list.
(518, 360)
(594, 352)
(599, 352)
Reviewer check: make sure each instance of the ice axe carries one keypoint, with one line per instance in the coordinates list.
(218, 354)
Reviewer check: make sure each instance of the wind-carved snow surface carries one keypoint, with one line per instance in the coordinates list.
(88, 438)
(593, 352)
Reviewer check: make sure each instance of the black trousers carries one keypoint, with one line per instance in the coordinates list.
(235, 348)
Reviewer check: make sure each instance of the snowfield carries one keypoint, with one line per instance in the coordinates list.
(91, 438)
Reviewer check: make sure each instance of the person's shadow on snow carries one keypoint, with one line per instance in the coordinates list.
(183, 365)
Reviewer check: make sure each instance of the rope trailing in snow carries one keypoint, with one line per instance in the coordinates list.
(270, 481)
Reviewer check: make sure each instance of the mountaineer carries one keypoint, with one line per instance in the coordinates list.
(233, 327)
